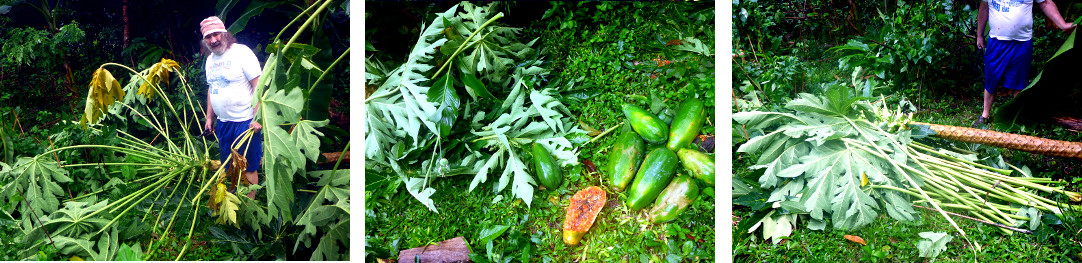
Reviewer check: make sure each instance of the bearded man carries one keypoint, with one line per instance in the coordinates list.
(232, 74)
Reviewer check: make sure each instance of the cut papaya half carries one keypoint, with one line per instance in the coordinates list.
(584, 207)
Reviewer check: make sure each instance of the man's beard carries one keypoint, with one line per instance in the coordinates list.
(217, 50)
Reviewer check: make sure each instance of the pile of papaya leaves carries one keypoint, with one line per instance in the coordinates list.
(469, 99)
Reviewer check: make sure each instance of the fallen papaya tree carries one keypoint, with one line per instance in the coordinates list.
(845, 159)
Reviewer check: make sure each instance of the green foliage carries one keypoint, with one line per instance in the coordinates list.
(129, 253)
(24, 45)
(910, 39)
(806, 160)
(35, 181)
(328, 210)
(412, 115)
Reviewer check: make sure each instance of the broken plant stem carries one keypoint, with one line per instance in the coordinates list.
(606, 132)
(464, 43)
(986, 222)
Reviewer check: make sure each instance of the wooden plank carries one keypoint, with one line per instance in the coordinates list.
(447, 251)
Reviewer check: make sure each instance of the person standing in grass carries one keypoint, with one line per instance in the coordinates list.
(232, 74)
(1010, 44)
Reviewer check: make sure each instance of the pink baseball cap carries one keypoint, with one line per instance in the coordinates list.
(211, 25)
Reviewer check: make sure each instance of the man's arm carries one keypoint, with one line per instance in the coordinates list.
(210, 116)
(255, 124)
(982, 19)
(1052, 12)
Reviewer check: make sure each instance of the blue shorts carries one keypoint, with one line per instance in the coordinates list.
(228, 131)
(1006, 64)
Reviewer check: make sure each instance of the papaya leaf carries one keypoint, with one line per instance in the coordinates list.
(295, 51)
(493, 51)
(328, 248)
(105, 249)
(251, 213)
(475, 87)
(545, 105)
(333, 177)
(933, 243)
(35, 180)
(227, 210)
(416, 188)
(75, 219)
(281, 161)
(443, 92)
(280, 107)
(401, 102)
(823, 153)
(306, 137)
(104, 91)
(157, 73)
(329, 205)
(129, 253)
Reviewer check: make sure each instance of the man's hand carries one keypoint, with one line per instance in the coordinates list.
(209, 126)
(255, 126)
(980, 43)
(1068, 28)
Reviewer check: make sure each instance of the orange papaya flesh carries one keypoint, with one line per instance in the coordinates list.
(583, 209)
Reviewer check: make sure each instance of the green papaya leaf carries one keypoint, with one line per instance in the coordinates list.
(329, 248)
(443, 92)
(36, 181)
(475, 87)
(933, 243)
(306, 137)
(129, 253)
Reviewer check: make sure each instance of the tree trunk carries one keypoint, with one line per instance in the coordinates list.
(124, 13)
(1011, 141)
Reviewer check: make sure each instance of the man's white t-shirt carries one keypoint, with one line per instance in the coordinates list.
(1011, 19)
(228, 76)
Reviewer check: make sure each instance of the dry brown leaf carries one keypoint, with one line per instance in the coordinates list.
(236, 167)
(856, 239)
(590, 130)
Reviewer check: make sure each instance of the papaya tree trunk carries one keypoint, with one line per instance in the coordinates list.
(1012, 141)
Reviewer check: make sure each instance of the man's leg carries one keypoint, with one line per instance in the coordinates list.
(253, 179)
(988, 97)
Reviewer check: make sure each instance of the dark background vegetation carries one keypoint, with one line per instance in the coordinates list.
(921, 51)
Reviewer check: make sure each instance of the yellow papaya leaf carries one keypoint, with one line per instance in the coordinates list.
(104, 90)
(76, 258)
(217, 194)
(157, 73)
(228, 210)
(863, 179)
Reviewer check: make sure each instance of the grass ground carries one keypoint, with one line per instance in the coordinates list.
(621, 55)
